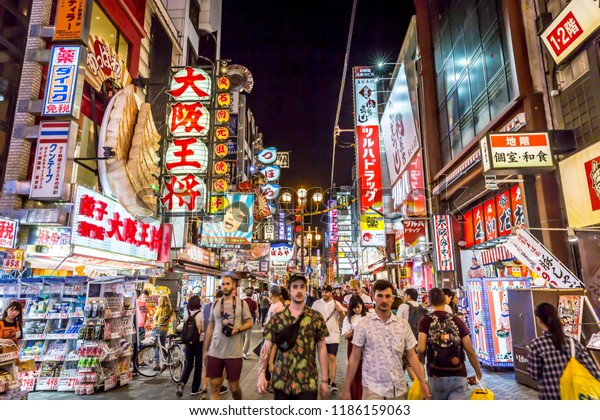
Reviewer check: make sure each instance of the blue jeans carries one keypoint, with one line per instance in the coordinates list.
(162, 335)
(448, 388)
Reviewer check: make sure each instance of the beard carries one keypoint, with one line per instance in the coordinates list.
(227, 292)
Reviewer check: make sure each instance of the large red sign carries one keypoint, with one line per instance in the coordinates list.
(469, 236)
(504, 212)
(592, 176)
(518, 213)
(414, 232)
(564, 34)
(478, 225)
(369, 168)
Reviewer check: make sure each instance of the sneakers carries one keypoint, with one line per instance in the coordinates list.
(333, 387)
(179, 391)
(245, 356)
(157, 368)
(223, 389)
(193, 394)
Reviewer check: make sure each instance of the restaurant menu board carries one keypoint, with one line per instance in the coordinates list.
(570, 311)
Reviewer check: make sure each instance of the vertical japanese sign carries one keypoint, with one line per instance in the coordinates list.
(8, 233)
(577, 21)
(102, 223)
(504, 212)
(189, 123)
(478, 225)
(414, 232)
(51, 167)
(536, 257)
(491, 223)
(333, 222)
(372, 230)
(518, 214)
(468, 233)
(442, 226)
(70, 24)
(64, 82)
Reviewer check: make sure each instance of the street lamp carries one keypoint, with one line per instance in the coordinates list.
(310, 236)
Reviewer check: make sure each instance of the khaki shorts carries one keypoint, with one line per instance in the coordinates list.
(370, 395)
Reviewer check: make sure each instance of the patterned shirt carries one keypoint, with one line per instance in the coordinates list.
(546, 364)
(296, 370)
(383, 345)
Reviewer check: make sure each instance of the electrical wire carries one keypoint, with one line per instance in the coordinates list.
(343, 85)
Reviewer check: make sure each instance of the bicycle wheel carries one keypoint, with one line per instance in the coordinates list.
(176, 362)
(143, 361)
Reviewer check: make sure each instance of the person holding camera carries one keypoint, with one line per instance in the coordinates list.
(223, 344)
(299, 333)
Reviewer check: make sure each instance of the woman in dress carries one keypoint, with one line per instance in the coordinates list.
(550, 352)
(356, 312)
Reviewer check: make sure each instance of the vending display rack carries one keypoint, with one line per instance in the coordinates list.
(9, 382)
(77, 332)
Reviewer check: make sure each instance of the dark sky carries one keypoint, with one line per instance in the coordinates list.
(295, 52)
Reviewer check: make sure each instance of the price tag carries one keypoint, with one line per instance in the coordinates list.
(47, 384)
(67, 384)
(27, 384)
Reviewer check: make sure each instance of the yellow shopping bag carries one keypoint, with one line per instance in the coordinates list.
(482, 393)
(415, 393)
(576, 382)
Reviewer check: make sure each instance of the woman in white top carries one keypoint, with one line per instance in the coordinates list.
(356, 313)
(193, 351)
(277, 303)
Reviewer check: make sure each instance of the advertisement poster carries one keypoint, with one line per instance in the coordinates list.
(477, 321)
(232, 229)
(254, 260)
(570, 311)
(500, 325)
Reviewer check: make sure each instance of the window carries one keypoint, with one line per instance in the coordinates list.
(573, 71)
(460, 58)
(449, 77)
(493, 56)
(472, 38)
(464, 96)
(443, 122)
(86, 148)
(486, 11)
(104, 28)
(476, 78)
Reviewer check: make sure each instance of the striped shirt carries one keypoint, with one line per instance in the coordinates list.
(546, 364)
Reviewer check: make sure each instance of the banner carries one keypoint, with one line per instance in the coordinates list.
(254, 260)
(64, 82)
(537, 258)
(233, 229)
(372, 230)
(8, 232)
(443, 243)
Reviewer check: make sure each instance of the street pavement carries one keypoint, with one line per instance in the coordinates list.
(500, 381)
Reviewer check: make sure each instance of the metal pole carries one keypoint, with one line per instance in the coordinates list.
(302, 239)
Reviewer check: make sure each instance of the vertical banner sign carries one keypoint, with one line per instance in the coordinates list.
(504, 212)
(443, 243)
(62, 83)
(478, 225)
(491, 223)
(70, 20)
(468, 234)
(518, 214)
(189, 123)
(333, 222)
(51, 165)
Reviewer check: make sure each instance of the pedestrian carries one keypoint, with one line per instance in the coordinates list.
(445, 339)
(141, 311)
(312, 297)
(253, 307)
(223, 344)
(337, 294)
(276, 302)
(11, 324)
(264, 308)
(356, 313)
(206, 316)
(412, 312)
(381, 338)
(193, 349)
(162, 319)
(449, 297)
(550, 352)
(333, 312)
(356, 291)
(295, 376)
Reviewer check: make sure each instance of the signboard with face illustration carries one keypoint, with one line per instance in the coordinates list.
(232, 229)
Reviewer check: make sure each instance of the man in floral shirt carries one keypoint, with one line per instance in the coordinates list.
(295, 376)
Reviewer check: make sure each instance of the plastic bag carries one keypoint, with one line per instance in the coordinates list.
(482, 393)
(576, 382)
(415, 392)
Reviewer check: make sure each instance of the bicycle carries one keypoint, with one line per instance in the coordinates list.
(171, 356)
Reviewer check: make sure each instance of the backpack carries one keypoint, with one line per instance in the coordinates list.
(189, 332)
(415, 313)
(446, 344)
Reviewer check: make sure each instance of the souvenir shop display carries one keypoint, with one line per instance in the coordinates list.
(9, 382)
(77, 332)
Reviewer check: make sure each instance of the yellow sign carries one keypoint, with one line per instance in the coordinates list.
(223, 83)
(222, 133)
(220, 185)
(404, 272)
(70, 15)
(224, 99)
(11, 259)
(372, 229)
(218, 204)
(222, 115)
(221, 168)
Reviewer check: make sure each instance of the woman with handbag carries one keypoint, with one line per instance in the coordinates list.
(550, 352)
(162, 318)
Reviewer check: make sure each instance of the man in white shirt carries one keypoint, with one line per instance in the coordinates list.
(355, 291)
(332, 312)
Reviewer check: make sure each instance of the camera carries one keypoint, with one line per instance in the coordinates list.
(227, 330)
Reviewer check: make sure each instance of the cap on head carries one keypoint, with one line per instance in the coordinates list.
(297, 277)
(276, 290)
(327, 288)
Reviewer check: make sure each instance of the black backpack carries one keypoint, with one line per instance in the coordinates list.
(415, 313)
(446, 344)
(189, 332)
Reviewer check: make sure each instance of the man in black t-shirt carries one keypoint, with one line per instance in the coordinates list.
(445, 338)
(254, 312)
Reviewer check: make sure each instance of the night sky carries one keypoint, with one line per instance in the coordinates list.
(295, 52)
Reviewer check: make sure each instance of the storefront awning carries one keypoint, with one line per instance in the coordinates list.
(496, 254)
(182, 266)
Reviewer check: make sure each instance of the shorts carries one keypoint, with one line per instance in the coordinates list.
(215, 366)
(332, 348)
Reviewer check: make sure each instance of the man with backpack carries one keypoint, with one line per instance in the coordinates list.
(445, 339)
(192, 335)
(412, 312)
